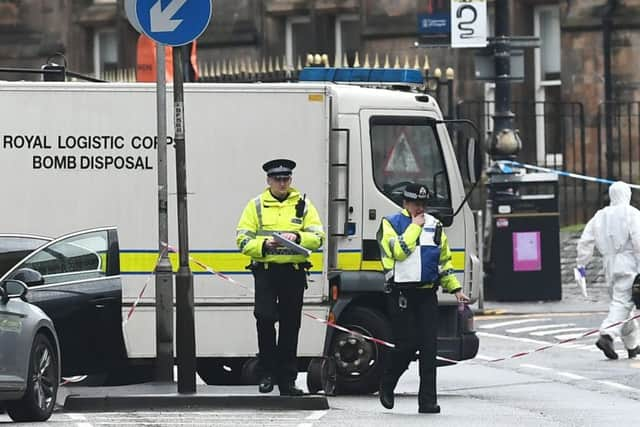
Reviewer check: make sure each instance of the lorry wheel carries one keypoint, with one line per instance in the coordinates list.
(42, 384)
(216, 371)
(359, 362)
(321, 375)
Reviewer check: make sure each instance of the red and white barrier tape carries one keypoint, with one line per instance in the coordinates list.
(144, 287)
(545, 347)
(209, 269)
(354, 333)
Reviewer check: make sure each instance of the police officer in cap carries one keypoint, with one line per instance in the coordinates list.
(279, 271)
(416, 260)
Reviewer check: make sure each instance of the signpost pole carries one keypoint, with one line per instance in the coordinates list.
(164, 279)
(186, 341)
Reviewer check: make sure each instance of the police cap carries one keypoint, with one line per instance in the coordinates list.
(416, 193)
(279, 167)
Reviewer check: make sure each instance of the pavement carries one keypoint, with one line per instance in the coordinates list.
(165, 396)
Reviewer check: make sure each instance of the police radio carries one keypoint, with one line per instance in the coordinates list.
(300, 206)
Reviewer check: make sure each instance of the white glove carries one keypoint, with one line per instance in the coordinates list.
(580, 275)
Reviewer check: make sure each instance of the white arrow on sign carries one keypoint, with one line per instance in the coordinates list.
(161, 20)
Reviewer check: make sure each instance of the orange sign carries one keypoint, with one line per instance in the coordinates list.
(146, 61)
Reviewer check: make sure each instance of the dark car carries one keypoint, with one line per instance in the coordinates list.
(75, 280)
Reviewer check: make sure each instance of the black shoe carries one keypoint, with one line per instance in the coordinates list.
(634, 352)
(290, 389)
(266, 384)
(605, 343)
(429, 409)
(386, 396)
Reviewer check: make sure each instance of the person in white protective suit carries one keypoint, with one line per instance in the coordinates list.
(615, 231)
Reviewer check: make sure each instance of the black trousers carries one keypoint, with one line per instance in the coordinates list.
(414, 328)
(278, 298)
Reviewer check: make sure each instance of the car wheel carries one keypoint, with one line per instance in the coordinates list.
(359, 362)
(42, 384)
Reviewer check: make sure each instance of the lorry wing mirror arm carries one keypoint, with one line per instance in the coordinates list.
(474, 157)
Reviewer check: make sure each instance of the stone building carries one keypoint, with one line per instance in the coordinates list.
(559, 103)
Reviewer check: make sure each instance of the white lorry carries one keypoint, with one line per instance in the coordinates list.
(81, 155)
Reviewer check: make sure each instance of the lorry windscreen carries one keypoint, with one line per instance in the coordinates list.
(404, 150)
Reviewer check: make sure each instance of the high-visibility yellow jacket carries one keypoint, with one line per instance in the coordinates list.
(265, 214)
(396, 247)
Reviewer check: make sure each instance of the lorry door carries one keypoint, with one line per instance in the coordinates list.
(81, 292)
(399, 148)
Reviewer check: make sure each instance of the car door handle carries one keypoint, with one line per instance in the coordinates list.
(101, 302)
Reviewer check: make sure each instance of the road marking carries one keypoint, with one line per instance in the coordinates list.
(513, 322)
(557, 331)
(530, 366)
(316, 415)
(571, 376)
(619, 386)
(505, 337)
(77, 417)
(533, 328)
(305, 425)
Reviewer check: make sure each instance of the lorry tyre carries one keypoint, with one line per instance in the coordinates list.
(359, 362)
(219, 371)
(321, 375)
(42, 384)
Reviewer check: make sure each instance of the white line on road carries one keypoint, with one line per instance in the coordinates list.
(77, 417)
(540, 368)
(557, 331)
(512, 322)
(305, 425)
(505, 337)
(571, 376)
(538, 327)
(316, 415)
(619, 386)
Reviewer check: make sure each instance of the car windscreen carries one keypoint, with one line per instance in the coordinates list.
(14, 248)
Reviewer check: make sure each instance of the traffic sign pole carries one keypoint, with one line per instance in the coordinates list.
(185, 340)
(164, 273)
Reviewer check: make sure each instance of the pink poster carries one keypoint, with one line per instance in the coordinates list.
(526, 251)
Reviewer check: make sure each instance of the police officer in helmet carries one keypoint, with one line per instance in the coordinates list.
(416, 259)
(279, 271)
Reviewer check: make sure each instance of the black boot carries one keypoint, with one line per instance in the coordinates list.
(290, 389)
(266, 384)
(634, 352)
(387, 397)
(429, 409)
(605, 343)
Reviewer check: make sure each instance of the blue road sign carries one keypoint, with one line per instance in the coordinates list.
(173, 22)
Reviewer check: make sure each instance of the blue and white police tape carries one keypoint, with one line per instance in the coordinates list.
(506, 167)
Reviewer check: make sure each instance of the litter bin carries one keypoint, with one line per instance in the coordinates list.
(524, 263)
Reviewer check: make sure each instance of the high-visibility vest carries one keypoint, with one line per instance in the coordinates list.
(421, 266)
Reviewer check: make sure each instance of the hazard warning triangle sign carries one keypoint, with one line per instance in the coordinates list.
(401, 158)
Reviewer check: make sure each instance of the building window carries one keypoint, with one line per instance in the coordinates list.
(105, 51)
(347, 37)
(547, 62)
(298, 42)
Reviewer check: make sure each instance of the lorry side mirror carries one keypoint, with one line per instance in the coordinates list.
(474, 160)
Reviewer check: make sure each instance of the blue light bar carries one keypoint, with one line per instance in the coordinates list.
(362, 75)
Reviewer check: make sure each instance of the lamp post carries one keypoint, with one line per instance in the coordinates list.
(504, 142)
